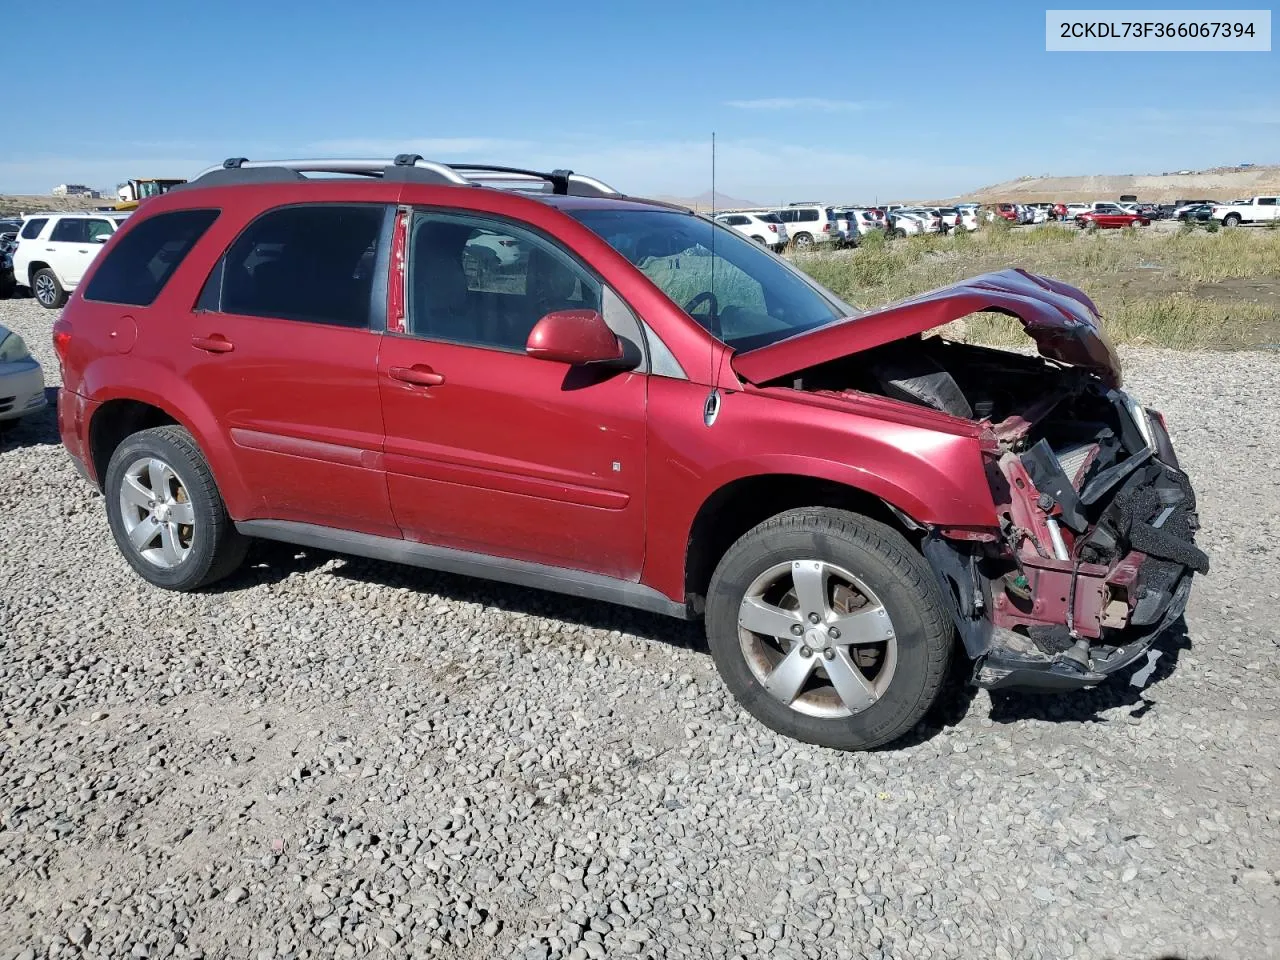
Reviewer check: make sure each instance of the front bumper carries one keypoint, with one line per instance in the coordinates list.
(1103, 567)
(21, 389)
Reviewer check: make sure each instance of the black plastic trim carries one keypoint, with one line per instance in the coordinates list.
(576, 583)
(381, 271)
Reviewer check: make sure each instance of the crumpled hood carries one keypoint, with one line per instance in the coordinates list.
(1063, 322)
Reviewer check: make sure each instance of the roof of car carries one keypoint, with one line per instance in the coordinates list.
(114, 214)
(562, 189)
(620, 202)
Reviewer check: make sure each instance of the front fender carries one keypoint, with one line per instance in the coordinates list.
(124, 377)
(925, 464)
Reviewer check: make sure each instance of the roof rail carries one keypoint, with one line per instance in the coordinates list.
(408, 167)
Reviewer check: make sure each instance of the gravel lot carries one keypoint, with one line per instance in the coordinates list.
(330, 757)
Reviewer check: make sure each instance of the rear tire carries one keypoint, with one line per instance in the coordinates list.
(48, 289)
(860, 568)
(166, 463)
(803, 240)
(1231, 220)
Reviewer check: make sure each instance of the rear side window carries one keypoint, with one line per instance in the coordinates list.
(70, 230)
(139, 266)
(807, 215)
(314, 263)
(33, 228)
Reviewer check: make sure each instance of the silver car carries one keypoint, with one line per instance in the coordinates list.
(21, 380)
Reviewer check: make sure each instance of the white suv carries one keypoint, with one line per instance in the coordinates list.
(809, 223)
(55, 249)
(765, 228)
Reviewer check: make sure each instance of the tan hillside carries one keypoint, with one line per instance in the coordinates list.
(1222, 183)
(13, 204)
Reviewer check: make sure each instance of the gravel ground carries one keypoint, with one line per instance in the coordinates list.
(330, 757)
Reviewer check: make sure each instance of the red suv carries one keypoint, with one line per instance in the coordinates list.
(533, 378)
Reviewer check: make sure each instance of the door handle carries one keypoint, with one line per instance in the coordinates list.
(419, 376)
(215, 343)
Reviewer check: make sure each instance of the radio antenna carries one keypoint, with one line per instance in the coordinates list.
(714, 305)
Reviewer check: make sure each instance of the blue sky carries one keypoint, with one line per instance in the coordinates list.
(842, 101)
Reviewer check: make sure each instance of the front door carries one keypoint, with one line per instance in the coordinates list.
(283, 349)
(493, 451)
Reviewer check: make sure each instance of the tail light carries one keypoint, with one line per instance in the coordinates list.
(826, 228)
(773, 228)
(62, 338)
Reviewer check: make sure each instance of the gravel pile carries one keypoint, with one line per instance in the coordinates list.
(333, 757)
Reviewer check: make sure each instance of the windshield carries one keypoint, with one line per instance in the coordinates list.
(741, 294)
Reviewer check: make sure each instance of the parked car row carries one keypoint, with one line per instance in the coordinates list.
(806, 224)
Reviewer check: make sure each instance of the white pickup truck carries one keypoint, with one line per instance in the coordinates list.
(1256, 210)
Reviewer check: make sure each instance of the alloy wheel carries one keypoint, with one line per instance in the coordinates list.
(817, 638)
(46, 291)
(158, 515)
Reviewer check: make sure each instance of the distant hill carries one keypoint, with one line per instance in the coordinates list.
(14, 204)
(702, 202)
(1220, 183)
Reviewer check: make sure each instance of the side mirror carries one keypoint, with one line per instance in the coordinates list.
(577, 337)
(102, 238)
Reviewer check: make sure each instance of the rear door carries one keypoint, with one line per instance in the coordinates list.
(1266, 209)
(492, 451)
(283, 345)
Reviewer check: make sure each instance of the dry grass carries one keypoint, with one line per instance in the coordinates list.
(1155, 286)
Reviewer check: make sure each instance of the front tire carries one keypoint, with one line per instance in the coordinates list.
(829, 628)
(48, 289)
(166, 514)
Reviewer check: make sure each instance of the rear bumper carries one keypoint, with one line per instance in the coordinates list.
(74, 414)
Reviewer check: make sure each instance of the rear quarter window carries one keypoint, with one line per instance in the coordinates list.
(33, 228)
(144, 258)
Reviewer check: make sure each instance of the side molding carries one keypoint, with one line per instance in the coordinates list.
(575, 583)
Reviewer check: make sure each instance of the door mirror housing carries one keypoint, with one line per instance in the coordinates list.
(102, 238)
(577, 337)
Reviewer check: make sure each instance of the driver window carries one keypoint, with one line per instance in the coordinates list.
(486, 282)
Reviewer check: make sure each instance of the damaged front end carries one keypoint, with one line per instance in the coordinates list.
(1094, 551)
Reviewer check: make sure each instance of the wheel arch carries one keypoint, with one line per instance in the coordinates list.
(741, 504)
(33, 267)
(150, 397)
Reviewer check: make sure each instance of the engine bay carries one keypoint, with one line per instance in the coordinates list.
(1097, 521)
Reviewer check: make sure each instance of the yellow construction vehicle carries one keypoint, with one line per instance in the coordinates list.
(133, 192)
